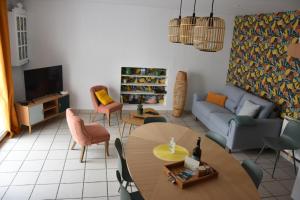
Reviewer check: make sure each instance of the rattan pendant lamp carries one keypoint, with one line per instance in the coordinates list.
(209, 33)
(174, 26)
(187, 28)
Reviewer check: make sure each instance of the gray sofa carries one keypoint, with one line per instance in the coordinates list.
(221, 119)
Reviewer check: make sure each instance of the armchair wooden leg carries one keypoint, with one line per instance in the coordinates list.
(104, 120)
(108, 116)
(122, 133)
(118, 122)
(94, 116)
(73, 145)
(106, 148)
(82, 153)
(130, 127)
(121, 114)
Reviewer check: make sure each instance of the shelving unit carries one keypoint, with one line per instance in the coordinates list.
(143, 85)
(41, 109)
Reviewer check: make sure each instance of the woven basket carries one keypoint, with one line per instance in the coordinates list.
(174, 26)
(179, 93)
(187, 30)
(209, 38)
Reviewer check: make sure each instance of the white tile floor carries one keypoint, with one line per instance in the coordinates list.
(41, 166)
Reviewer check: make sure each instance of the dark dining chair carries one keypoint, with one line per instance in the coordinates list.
(154, 119)
(124, 194)
(289, 140)
(254, 171)
(122, 164)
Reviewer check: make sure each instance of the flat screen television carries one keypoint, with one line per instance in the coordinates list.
(43, 81)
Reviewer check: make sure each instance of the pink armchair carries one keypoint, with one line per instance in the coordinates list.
(106, 110)
(85, 135)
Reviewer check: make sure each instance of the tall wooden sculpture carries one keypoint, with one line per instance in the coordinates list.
(179, 94)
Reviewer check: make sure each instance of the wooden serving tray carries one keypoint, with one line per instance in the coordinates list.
(175, 168)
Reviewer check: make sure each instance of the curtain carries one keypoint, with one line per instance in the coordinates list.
(7, 109)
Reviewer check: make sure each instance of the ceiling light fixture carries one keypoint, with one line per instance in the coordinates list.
(174, 26)
(209, 33)
(187, 28)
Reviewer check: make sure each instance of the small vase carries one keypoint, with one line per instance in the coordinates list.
(140, 109)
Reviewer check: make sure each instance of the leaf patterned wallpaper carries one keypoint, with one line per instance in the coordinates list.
(259, 62)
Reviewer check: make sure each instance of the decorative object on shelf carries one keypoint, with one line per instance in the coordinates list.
(140, 109)
(209, 33)
(174, 28)
(187, 28)
(18, 35)
(128, 71)
(179, 95)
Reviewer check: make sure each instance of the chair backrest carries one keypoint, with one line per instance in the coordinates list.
(154, 119)
(124, 194)
(119, 147)
(122, 162)
(94, 89)
(77, 128)
(254, 171)
(292, 130)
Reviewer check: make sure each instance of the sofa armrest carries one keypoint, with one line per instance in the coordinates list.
(243, 121)
(197, 97)
(250, 137)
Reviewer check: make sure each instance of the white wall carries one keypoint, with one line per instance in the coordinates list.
(93, 40)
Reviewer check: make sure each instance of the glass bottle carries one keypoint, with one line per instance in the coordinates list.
(197, 151)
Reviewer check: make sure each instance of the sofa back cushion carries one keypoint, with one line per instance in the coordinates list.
(266, 107)
(234, 95)
(249, 109)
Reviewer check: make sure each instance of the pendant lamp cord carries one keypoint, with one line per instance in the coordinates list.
(211, 17)
(180, 9)
(194, 14)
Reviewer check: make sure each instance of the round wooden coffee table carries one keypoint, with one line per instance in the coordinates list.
(147, 171)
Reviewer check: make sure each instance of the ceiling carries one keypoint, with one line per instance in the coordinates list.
(234, 7)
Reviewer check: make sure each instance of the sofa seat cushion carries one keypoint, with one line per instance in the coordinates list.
(220, 120)
(206, 108)
(266, 106)
(234, 95)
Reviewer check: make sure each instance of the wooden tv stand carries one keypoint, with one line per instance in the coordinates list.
(42, 109)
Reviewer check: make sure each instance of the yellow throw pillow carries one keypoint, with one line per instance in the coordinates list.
(217, 99)
(103, 97)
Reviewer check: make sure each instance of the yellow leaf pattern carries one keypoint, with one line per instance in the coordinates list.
(259, 61)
